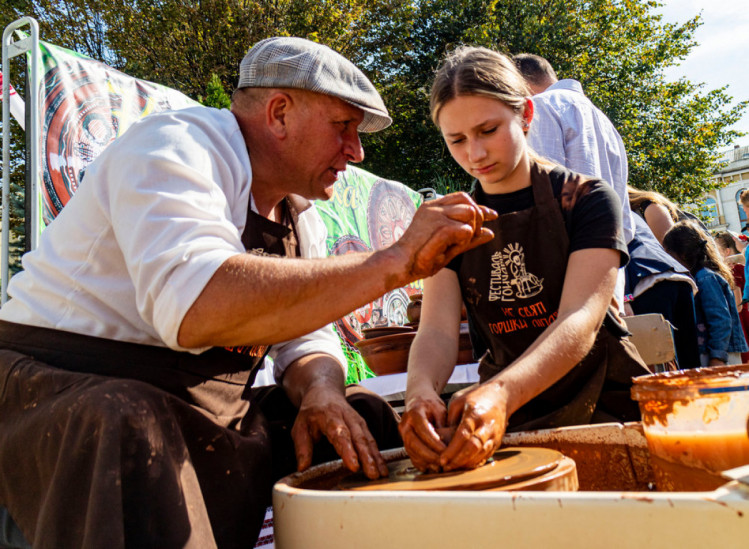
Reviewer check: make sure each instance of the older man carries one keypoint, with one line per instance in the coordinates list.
(134, 332)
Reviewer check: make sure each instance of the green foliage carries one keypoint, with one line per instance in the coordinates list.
(216, 96)
(617, 49)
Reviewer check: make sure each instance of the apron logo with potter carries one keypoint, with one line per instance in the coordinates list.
(510, 280)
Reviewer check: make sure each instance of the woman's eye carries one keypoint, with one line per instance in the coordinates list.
(490, 130)
(457, 141)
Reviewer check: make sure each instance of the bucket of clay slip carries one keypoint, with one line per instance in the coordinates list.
(695, 422)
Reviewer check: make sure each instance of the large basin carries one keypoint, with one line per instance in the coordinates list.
(616, 507)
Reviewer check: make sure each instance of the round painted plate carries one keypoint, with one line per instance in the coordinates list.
(508, 465)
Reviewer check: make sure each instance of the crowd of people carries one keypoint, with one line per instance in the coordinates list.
(131, 339)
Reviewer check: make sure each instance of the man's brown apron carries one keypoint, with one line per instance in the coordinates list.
(113, 444)
(512, 287)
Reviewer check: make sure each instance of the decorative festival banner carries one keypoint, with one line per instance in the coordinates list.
(368, 213)
(85, 106)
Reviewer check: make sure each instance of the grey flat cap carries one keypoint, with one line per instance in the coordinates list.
(288, 62)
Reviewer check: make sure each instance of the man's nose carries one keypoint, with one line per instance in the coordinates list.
(352, 147)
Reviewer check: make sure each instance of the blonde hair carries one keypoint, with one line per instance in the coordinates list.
(470, 70)
(637, 197)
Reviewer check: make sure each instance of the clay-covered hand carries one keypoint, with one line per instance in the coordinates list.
(481, 416)
(325, 412)
(420, 427)
(442, 229)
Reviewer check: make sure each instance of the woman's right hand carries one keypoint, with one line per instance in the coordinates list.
(424, 414)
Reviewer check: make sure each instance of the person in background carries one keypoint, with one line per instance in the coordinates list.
(191, 250)
(538, 296)
(726, 244)
(741, 245)
(658, 283)
(571, 131)
(658, 211)
(720, 336)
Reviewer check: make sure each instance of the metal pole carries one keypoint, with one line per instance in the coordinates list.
(12, 49)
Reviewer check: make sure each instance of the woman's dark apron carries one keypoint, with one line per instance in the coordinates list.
(512, 287)
(79, 452)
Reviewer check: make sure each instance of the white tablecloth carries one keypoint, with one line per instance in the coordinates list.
(396, 383)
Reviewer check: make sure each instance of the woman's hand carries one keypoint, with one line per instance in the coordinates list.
(481, 415)
(424, 415)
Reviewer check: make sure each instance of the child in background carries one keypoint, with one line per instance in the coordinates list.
(734, 259)
(720, 336)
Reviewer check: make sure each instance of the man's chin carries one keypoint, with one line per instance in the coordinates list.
(326, 193)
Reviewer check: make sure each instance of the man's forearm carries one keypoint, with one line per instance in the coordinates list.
(260, 300)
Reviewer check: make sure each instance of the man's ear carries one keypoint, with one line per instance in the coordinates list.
(276, 112)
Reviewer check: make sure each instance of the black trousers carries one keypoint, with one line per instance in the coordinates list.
(179, 460)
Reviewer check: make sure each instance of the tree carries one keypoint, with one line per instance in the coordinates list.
(617, 49)
(216, 96)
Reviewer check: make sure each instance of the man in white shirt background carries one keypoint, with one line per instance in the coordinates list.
(571, 131)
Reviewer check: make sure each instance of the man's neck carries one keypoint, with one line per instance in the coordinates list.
(267, 204)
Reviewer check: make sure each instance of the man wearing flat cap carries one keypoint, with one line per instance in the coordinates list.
(190, 251)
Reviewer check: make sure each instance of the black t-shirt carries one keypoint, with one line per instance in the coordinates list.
(595, 221)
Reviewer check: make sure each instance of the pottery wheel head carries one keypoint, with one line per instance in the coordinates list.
(508, 465)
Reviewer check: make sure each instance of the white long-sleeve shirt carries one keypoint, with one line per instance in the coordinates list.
(155, 216)
(569, 130)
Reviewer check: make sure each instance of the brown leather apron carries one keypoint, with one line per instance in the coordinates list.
(111, 444)
(512, 287)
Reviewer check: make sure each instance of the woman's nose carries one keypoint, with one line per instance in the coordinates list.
(476, 151)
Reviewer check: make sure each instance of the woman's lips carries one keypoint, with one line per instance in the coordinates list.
(484, 169)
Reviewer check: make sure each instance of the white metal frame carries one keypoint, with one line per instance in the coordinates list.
(13, 47)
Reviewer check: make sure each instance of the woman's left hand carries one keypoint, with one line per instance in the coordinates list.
(481, 415)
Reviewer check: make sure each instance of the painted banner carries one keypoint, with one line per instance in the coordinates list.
(85, 106)
(367, 213)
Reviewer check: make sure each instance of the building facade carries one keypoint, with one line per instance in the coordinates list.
(722, 205)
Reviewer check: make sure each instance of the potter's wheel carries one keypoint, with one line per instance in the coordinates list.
(510, 468)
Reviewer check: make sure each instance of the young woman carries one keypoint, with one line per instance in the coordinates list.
(538, 296)
(720, 336)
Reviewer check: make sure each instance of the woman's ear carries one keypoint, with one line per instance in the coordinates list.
(528, 111)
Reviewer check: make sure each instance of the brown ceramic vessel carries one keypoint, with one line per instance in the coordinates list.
(388, 354)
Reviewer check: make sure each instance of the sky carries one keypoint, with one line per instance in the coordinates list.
(720, 58)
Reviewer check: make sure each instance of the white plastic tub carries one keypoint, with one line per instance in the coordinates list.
(592, 518)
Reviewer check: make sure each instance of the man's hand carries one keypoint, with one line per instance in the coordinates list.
(440, 230)
(325, 412)
(315, 384)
